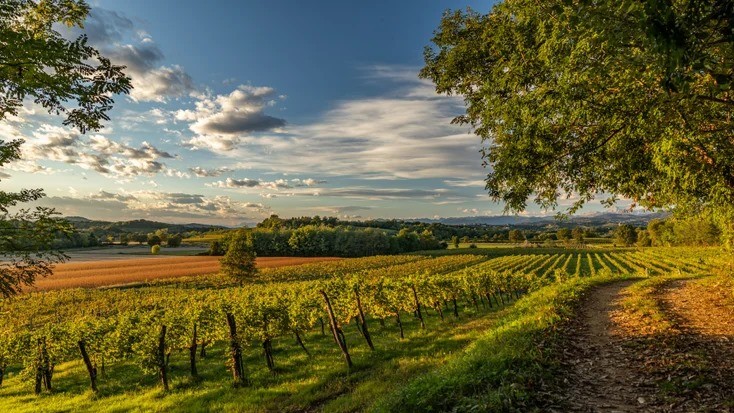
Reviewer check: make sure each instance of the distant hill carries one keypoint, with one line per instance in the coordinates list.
(138, 225)
(596, 220)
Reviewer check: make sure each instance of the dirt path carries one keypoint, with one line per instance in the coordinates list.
(601, 379)
(701, 359)
(669, 349)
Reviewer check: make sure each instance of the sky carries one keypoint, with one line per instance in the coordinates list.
(244, 109)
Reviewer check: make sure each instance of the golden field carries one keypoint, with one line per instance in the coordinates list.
(115, 272)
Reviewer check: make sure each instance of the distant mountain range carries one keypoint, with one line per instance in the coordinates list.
(596, 219)
(138, 225)
(591, 220)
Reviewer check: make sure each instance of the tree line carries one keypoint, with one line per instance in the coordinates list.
(322, 240)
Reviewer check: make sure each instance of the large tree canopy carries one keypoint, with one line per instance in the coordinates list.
(38, 64)
(625, 97)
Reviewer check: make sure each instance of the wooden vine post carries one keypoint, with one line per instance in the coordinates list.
(363, 322)
(235, 350)
(418, 312)
(161, 357)
(91, 368)
(336, 331)
(192, 353)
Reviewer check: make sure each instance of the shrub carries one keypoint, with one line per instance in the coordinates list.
(155, 249)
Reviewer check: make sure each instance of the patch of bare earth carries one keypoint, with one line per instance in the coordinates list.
(601, 373)
(698, 361)
(668, 348)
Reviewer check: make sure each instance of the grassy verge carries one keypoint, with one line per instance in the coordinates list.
(506, 368)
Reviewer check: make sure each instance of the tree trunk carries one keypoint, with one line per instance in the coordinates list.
(456, 308)
(161, 357)
(192, 353)
(400, 323)
(363, 321)
(91, 369)
(2, 374)
(300, 342)
(321, 320)
(235, 352)
(418, 307)
(336, 331)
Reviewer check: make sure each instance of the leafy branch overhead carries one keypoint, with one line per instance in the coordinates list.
(631, 98)
(65, 77)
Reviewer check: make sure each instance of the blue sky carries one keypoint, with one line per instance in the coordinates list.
(244, 109)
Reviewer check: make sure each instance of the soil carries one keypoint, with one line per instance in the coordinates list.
(601, 379)
(683, 362)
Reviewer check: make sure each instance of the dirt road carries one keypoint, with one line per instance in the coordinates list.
(666, 349)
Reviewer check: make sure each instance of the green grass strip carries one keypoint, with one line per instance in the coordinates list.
(501, 370)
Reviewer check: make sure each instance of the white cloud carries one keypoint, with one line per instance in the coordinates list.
(406, 134)
(277, 184)
(221, 122)
(203, 172)
(96, 152)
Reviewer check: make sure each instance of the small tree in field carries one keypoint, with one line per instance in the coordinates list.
(455, 241)
(239, 261)
(625, 234)
(155, 249)
(564, 234)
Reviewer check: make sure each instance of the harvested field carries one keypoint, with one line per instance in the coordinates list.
(113, 272)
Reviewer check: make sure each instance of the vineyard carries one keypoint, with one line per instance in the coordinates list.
(286, 328)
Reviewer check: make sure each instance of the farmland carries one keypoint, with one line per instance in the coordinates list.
(120, 271)
(422, 311)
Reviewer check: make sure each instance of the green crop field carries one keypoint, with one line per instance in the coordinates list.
(273, 343)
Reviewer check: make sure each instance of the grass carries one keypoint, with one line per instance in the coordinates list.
(503, 369)
(300, 383)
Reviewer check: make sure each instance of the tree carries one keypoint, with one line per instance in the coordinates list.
(578, 234)
(516, 235)
(625, 234)
(162, 234)
(140, 238)
(631, 98)
(37, 64)
(174, 240)
(455, 241)
(124, 238)
(154, 240)
(155, 249)
(563, 234)
(239, 261)
(643, 238)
